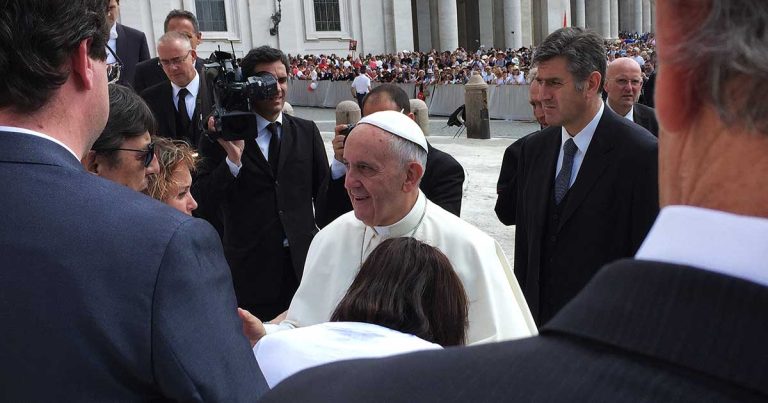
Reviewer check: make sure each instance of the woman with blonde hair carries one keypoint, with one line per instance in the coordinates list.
(172, 184)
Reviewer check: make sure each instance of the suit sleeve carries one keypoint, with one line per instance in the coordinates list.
(506, 187)
(521, 236)
(199, 352)
(446, 189)
(212, 181)
(321, 169)
(143, 49)
(336, 203)
(645, 195)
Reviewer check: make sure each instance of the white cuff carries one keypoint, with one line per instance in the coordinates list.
(234, 169)
(337, 169)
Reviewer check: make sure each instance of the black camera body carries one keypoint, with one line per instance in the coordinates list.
(234, 96)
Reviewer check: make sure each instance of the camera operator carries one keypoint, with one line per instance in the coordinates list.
(264, 189)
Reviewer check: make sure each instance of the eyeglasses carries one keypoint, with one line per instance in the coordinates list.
(175, 61)
(148, 153)
(622, 82)
(113, 69)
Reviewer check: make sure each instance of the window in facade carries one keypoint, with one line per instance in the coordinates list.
(211, 15)
(327, 15)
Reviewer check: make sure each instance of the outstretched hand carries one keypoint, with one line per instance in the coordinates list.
(252, 326)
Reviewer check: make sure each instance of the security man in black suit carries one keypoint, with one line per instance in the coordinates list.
(180, 104)
(130, 45)
(150, 72)
(443, 179)
(684, 321)
(265, 189)
(623, 83)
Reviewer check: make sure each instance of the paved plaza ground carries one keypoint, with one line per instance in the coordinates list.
(481, 160)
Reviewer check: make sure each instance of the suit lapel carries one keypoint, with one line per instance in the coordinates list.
(286, 141)
(170, 110)
(542, 179)
(592, 168)
(254, 154)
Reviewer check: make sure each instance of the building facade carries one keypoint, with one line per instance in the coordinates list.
(386, 26)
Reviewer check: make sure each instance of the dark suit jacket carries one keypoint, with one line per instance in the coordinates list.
(606, 215)
(442, 183)
(259, 210)
(639, 332)
(646, 117)
(159, 97)
(149, 73)
(107, 294)
(506, 186)
(131, 49)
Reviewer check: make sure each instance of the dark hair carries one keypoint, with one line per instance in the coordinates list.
(583, 50)
(129, 116)
(181, 14)
(262, 54)
(393, 93)
(36, 39)
(409, 286)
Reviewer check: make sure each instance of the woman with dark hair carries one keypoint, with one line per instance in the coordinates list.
(406, 297)
(124, 152)
(171, 185)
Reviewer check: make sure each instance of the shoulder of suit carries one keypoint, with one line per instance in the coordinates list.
(633, 134)
(130, 31)
(645, 109)
(155, 88)
(443, 158)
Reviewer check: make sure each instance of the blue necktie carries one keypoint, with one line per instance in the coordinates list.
(563, 179)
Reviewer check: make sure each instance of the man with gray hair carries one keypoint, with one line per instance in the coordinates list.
(587, 188)
(180, 103)
(385, 155)
(685, 321)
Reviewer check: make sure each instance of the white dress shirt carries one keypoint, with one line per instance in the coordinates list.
(713, 240)
(263, 135)
(193, 87)
(112, 43)
(582, 140)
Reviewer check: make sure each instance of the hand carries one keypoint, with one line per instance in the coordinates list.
(279, 318)
(338, 143)
(253, 329)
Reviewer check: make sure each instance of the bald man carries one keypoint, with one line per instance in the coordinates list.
(623, 83)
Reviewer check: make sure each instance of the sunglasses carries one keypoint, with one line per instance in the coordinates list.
(148, 153)
(113, 69)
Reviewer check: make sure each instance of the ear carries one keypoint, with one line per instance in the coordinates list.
(412, 116)
(593, 83)
(193, 53)
(89, 162)
(83, 67)
(413, 173)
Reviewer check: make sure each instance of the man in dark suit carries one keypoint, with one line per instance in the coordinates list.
(129, 44)
(180, 104)
(587, 188)
(265, 189)
(107, 294)
(443, 179)
(506, 186)
(150, 72)
(682, 323)
(623, 82)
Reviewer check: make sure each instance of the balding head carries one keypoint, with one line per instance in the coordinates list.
(623, 82)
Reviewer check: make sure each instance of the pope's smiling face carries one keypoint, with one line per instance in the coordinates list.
(376, 177)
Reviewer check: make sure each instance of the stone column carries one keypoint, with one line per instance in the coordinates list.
(614, 19)
(638, 15)
(347, 113)
(448, 24)
(425, 29)
(486, 22)
(476, 104)
(605, 18)
(580, 19)
(420, 114)
(513, 24)
(646, 16)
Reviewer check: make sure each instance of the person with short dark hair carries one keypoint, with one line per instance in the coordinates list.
(124, 152)
(406, 297)
(129, 44)
(265, 189)
(178, 160)
(107, 294)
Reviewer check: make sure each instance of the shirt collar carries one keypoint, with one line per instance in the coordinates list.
(721, 242)
(584, 137)
(193, 87)
(262, 123)
(407, 223)
(630, 115)
(113, 31)
(38, 134)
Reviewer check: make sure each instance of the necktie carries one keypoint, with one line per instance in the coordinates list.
(273, 153)
(182, 117)
(563, 179)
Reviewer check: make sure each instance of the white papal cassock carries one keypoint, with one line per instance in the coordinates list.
(497, 308)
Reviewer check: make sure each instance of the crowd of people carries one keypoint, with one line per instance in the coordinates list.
(152, 252)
